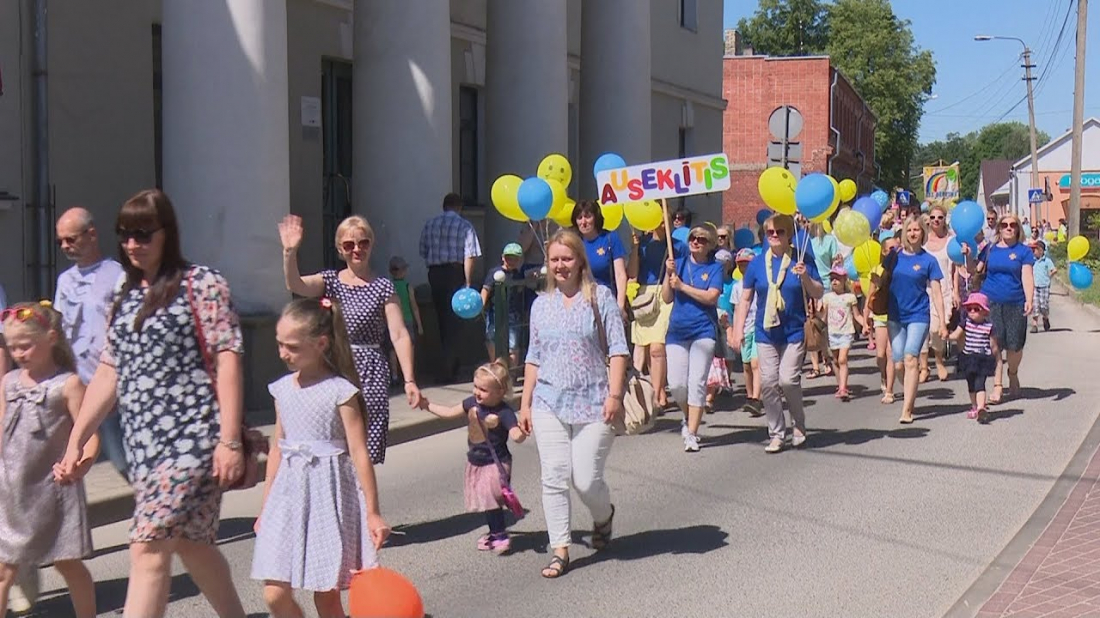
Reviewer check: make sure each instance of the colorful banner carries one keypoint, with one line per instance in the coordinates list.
(664, 179)
(941, 183)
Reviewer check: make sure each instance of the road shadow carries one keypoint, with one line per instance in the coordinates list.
(440, 529)
(824, 438)
(930, 412)
(701, 539)
(1032, 393)
(997, 414)
(110, 596)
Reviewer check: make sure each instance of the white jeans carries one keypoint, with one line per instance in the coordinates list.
(688, 369)
(571, 452)
(781, 378)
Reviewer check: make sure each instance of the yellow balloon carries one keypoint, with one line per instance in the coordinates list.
(776, 186)
(852, 228)
(848, 190)
(865, 284)
(612, 216)
(564, 216)
(827, 226)
(504, 193)
(555, 167)
(737, 276)
(560, 198)
(646, 216)
(1077, 248)
(836, 195)
(632, 290)
(867, 256)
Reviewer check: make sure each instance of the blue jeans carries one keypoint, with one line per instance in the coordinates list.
(110, 443)
(906, 339)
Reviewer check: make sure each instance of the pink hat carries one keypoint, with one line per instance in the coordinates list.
(977, 299)
(838, 272)
(744, 255)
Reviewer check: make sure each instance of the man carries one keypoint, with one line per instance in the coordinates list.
(450, 248)
(990, 227)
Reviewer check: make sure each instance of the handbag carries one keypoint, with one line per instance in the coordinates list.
(814, 330)
(253, 442)
(647, 305)
(508, 495)
(879, 301)
(639, 404)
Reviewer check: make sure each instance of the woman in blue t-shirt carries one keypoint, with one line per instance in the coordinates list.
(692, 284)
(606, 254)
(650, 325)
(1010, 286)
(914, 287)
(781, 287)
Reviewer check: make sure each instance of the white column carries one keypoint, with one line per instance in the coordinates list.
(226, 140)
(402, 121)
(616, 84)
(526, 97)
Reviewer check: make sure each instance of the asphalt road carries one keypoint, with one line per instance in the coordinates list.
(871, 519)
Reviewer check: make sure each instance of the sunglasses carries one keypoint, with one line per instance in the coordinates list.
(24, 314)
(70, 240)
(350, 245)
(142, 237)
(991, 219)
(936, 218)
(776, 232)
(723, 236)
(1008, 225)
(699, 239)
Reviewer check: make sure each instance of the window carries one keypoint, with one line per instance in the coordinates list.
(467, 144)
(158, 108)
(689, 15)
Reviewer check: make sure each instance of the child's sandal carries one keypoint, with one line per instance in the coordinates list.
(601, 533)
(557, 567)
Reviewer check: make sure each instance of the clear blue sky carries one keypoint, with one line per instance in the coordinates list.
(977, 82)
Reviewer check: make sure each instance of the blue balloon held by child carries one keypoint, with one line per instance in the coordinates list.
(1080, 277)
(466, 303)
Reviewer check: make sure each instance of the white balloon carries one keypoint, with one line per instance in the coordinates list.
(498, 276)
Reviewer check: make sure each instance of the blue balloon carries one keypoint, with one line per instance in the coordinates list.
(955, 251)
(1080, 276)
(869, 208)
(814, 195)
(535, 198)
(743, 238)
(924, 207)
(762, 216)
(967, 220)
(681, 234)
(758, 249)
(607, 161)
(881, 198)
(466, 303)
(850, 265)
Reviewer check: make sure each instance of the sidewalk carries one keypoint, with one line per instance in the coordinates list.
(110, 498)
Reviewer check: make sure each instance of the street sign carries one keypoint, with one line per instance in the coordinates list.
(1035, 196)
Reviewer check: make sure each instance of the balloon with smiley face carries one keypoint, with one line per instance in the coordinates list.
(776, 186)
(555, 167)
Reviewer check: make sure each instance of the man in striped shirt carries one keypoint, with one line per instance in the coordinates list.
(450, 247)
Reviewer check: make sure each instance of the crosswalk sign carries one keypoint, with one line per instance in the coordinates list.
(1035, 196)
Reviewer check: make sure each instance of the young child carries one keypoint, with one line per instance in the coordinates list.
(320, 521)
(409, 310)
(976, 361)
(749, 362)
(839, 304)
(718, 379)
(42, 521)
(1043, 269)
(521, 279)
(487, 408)
(874, 325)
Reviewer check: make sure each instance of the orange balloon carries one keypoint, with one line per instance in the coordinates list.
(382, 593)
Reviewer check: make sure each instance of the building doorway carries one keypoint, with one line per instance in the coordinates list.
(336, 113)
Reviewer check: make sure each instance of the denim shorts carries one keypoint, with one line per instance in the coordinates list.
(513, 333)
(906, 339)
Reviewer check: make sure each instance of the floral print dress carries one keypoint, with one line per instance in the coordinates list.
(168, 405)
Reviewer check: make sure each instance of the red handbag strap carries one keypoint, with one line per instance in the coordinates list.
(207, 361)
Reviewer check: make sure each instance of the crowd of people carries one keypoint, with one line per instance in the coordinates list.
(141, 358)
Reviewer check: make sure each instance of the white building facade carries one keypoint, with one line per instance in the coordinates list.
(1054, 164)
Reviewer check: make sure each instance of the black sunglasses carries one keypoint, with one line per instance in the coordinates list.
(142, 237)
(937, 218)
(702, 239)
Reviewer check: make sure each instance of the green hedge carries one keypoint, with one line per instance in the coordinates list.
(1057, 253)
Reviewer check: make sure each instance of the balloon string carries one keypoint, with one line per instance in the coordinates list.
(540, 241)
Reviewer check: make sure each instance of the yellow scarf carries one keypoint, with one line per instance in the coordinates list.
(774, 304)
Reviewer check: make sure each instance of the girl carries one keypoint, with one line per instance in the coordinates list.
(877, 324)
(43, 516)
(839, 306)
(976, 360)
(718, 380)
(320, 521)
(491, 421)
(749, 361)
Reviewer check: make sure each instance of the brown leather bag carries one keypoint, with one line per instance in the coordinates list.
(815, 331)
(879, 301)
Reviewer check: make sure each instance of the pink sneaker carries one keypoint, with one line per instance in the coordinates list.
(972, 414)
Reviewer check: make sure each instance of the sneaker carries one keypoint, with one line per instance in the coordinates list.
(500, 544)
(691, 443)
(983, 416)
(1046, 323)
(972, 414)
(798, 439)
(755, 408)
(24, 593)
(484, 542)
(774, 446)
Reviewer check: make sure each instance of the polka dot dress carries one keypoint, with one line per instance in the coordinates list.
(364, 313)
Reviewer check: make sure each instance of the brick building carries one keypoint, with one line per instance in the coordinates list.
(837, 134)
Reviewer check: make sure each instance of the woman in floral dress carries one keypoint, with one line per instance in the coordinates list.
(370, 308)
(181, 407)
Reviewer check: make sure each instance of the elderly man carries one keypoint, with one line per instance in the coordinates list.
(450, 247)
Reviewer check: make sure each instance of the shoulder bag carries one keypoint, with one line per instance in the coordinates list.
(879, 301)
(647, 305)
(510, 499)
(638, 400)
(252, 441)
(814, 330)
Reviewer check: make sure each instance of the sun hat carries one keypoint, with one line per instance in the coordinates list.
(744, 255)
(512, 248)
(723, 256)
(977, 299)
(838, 272)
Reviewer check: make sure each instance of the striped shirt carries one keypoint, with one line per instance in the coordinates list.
(447, 238)
(976, 338)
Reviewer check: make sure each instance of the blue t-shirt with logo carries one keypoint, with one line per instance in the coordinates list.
(690, 319)
(908, 303)
(1042, 269)
(602, 252)
(793, 317)
(652, 253)
(1004, 266)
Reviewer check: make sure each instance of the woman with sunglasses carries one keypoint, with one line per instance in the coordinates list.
(1010, 287)
(781, 286)
(606, 254)
(725, 238)
(692, 284)
(172, 362)
(371, 312)
(936, 245)
(649, 328)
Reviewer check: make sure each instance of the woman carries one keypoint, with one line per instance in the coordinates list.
(826, 250)
(181, 407)
(936, 245)
(1010, 286)
(371, 308)
(605, 252)
(725, 238)
(781, 288)
(570, 397)
(647, 333)
(915, 284)
(692, 284)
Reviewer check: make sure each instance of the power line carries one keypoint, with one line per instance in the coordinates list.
(982, 90)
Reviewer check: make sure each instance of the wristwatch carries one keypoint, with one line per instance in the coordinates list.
(233, 445)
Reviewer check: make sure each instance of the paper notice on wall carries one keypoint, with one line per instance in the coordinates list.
(311, 111)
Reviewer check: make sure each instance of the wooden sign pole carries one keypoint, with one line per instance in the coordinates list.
(668, 227)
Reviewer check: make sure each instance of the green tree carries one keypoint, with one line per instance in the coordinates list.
(786, 28)
(1004, 140)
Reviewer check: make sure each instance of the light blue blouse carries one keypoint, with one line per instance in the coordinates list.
(565, 345)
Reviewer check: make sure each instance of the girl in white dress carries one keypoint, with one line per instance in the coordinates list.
(320, 521)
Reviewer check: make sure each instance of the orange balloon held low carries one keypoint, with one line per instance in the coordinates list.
(382, 593)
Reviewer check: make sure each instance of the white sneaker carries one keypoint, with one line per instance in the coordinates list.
(24, 593)
(691, 443)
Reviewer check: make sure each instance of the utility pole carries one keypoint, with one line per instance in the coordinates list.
(1074, 214)
(1031, 121)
